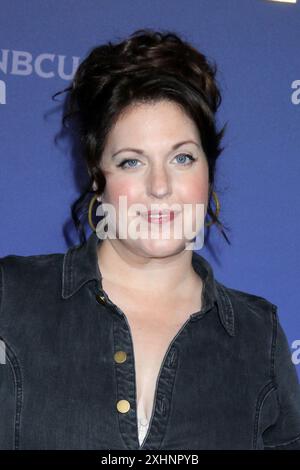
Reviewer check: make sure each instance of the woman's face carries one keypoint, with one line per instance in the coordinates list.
(143, 161)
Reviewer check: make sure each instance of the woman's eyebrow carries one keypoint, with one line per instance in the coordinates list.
(141, 152)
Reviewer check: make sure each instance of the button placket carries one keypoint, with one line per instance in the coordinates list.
(126, 384)
(126, 387)
(125, 373)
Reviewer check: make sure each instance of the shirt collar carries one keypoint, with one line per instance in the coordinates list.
(80, 265)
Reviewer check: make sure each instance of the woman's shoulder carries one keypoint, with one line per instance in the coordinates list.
(231, 300)
(248, 311)
(22, 276)
(247, 297)
(30, 295)
(13, 265)
(25, 259)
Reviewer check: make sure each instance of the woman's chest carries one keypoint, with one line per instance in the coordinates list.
(154, 324)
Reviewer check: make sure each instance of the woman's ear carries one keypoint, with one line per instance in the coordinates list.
(95, 187)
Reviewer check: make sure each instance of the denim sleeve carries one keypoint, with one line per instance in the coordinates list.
(285, 432)
(7, 386)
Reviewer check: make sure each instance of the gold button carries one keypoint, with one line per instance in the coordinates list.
(100, 298)
(123, 406)
(120, 356)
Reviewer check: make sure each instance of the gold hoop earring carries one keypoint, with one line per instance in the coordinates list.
(90, 212)
(217, 203)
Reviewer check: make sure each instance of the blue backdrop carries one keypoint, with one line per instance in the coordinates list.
(256, 46)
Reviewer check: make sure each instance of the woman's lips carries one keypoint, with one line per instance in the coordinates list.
(159, 217)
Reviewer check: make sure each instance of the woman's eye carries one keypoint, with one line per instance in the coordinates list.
(122, 164)
(181, 158)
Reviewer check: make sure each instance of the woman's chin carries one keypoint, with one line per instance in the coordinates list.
(159, 248)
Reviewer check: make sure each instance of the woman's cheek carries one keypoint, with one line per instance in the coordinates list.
(121, 188)
(195, 190)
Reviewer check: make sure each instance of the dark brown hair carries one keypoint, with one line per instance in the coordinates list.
(145, 67)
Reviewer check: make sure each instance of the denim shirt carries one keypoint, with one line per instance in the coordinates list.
(227, 380)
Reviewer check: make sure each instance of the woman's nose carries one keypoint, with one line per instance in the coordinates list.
(159, 182)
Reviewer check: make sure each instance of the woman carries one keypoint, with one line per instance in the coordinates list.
(129, 342)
